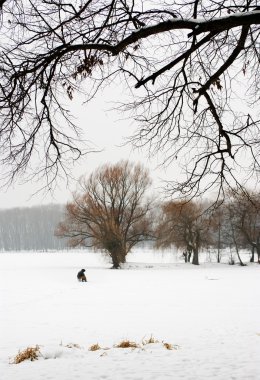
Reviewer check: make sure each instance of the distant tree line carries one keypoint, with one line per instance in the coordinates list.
(30, 228)
(113, 212)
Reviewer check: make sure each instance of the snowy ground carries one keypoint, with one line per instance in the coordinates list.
(210, 314)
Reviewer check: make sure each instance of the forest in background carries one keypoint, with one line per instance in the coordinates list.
(31, 228)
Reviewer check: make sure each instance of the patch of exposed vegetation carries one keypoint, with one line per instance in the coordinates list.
(30, 353)
(127, 344)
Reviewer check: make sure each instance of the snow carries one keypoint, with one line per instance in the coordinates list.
(209, 314)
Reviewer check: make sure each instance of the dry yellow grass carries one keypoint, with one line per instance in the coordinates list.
(168, 346)
(30, 353)
(94, 347)
(151, 340)
(127, 344)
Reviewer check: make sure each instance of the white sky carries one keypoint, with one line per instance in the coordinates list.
(106, 130)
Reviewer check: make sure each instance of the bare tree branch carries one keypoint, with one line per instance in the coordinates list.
(188, 62)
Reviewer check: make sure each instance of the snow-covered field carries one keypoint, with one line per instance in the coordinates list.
(209, 314)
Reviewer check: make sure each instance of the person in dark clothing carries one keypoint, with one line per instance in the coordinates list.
(81, 276)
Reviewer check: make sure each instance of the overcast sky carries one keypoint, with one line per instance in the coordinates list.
(107, 130)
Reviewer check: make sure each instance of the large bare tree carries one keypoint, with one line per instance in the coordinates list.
(111, 211)
(187, 64)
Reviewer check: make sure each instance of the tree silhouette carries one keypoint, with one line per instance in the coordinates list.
(185, 64)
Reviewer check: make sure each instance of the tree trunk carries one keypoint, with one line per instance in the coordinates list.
(239, 258)
(236, 246)
(252, 258)
(195, 258)
(231, 260)
(115, 261)
(185, 255)
(118, 255)
(218, 256)
(238, 255)
(258, 249)
(189, 253)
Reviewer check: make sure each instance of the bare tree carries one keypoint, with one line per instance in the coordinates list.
(185, 226)
(246, 219)
(111, 211)
(184, 63)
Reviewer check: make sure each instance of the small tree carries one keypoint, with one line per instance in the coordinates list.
(111, 211)
(184, 225)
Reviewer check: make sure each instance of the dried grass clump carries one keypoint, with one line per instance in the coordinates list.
(30, 353)
(169, 346)
(72, 345)
(127, 344)
(151, 340)
(94, 347)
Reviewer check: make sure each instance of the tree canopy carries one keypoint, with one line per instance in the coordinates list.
(111, 211)
(185, 63)
(185, 225)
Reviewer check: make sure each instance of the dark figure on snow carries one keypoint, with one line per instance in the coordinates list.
(81, 276)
